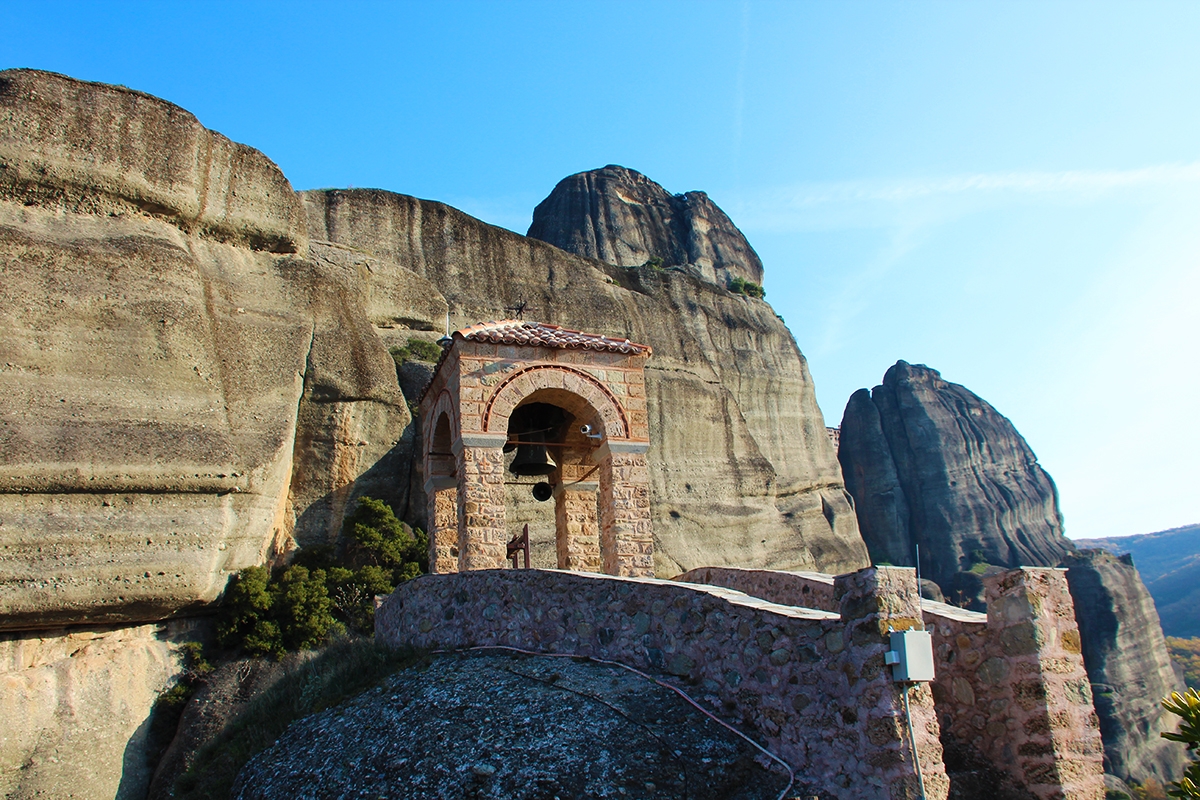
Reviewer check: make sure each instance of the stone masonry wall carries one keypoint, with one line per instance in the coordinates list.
(1010, 687)
(812, 684)
(1032, 676)
(793, 588)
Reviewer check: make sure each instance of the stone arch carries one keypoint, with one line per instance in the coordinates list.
(561, 386)
(444, 406)
(439, 431)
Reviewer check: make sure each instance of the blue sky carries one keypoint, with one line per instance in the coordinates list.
(1007, 192)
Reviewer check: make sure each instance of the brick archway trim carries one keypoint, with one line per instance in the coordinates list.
(443, 405)
(525, 382)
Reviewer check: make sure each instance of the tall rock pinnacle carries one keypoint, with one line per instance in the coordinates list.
(931, 463)
(622, 217)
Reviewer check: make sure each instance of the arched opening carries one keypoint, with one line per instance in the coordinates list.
(441, 488)
(549, 480)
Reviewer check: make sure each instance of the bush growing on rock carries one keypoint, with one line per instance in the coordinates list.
(416, 350)
(318, 595)
(747, 288)
(269, 616)
(380, 539)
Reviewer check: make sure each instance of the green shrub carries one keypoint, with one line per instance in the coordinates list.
(380, 539)
(416, 350)
(654, 263)
(741, 286)
(1187, 707)
(300, 606)
(269, 616)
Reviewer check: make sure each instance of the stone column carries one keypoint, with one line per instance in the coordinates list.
(576, 532)
(626, 537)
(1036, 675)
(872, 602)
(481, 533)
(442, 494)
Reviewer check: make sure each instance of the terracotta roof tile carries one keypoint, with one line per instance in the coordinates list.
(538, 334)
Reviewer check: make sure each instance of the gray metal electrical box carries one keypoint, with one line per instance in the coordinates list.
(911, 656)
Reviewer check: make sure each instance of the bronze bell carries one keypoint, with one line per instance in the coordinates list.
(532, 459)
(534, 426)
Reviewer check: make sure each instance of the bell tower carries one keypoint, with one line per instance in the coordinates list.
(572, 406)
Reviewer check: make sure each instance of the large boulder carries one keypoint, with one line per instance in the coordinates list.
(930, 463)
(742, 470)
(1128, 665)
(620, 216)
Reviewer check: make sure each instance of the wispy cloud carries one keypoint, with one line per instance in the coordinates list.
(879, 202)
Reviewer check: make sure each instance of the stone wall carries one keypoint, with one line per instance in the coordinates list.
(1011, 691)
(812, 684)
(787, 588)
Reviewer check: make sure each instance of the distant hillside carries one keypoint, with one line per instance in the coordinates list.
(1169, 562)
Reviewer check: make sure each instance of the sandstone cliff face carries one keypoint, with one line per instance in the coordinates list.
(741, 467)
(166, 355)
(1128, 665)
(622, 217)
(930, 463)
(183, 387)
(75, 708)
(189, 386)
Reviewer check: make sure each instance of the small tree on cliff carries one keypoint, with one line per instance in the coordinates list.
(381, 540)
(1187, 706)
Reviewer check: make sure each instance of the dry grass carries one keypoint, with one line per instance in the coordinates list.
(344, 668)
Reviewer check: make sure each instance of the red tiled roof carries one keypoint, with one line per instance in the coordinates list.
(538, 334)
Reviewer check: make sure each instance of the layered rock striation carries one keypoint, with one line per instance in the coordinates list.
(194, 378)
(930, 463)
(620, 216)
(167, 353)
(1128, 665)
(742, 471)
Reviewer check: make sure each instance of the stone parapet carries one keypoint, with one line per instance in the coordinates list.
(791, 588)
(1011, 687)
(812, 684)
(1010, 692)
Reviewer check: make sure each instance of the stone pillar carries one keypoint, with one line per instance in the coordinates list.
(1036, 675)
(872, 602)
(626, 537)
(442, 494)
(576, 532)
(481, 532)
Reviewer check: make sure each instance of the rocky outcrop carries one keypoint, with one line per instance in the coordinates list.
(503, 725)
(1169, 563)
(1128, 665)
(190, 384)
(930, 463)
(75, 707)
(622, 217)
(167, 355)
(742, 471)
(179, 384)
